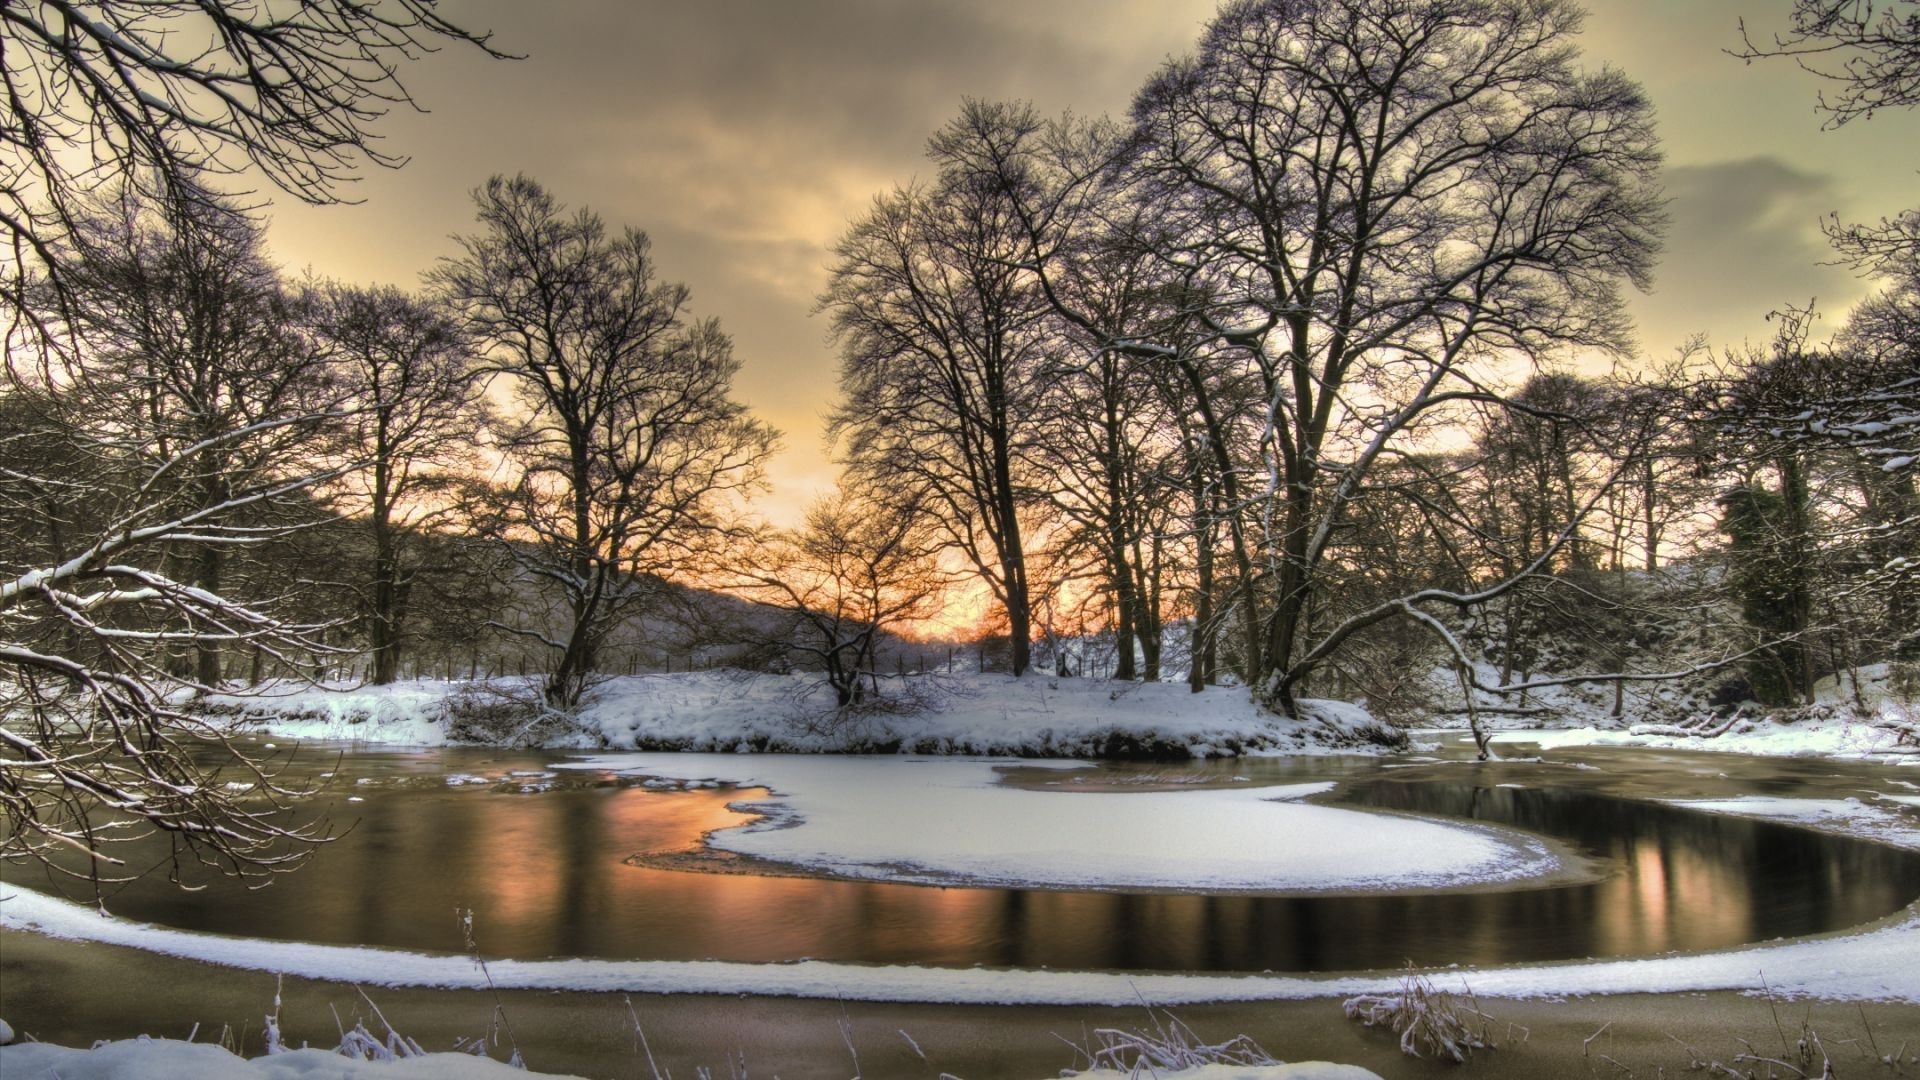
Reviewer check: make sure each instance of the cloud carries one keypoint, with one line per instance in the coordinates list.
(743, 135)
(1745, 240)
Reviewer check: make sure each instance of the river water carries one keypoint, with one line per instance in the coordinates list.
(554, 863)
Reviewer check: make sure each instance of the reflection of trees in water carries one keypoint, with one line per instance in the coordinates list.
(1687, 879)
(545, 876)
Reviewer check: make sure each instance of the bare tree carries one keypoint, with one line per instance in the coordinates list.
(407, 366)
(1868, 53)
(941, 334)
(155, 95)
(1828, 439)
(1867, 50)
(629, 444)
(187, 339)
(165, 93)
(1099, 441)
(1376, 203)
(859, 565)
(188, 427)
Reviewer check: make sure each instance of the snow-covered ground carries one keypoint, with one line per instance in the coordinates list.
(982, 715)
(1035, 716)
(1840, 735)
(1879, 818)
(171, 1059)
(947, 821)
(1867, 723)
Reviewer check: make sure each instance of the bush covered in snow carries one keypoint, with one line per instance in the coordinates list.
(1430, 1023)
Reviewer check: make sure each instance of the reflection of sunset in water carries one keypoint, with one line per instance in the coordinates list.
(546, 874)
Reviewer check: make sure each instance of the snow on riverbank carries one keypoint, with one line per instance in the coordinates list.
(170, 1059)
(1866, 722)
(1881, 964)
(945, 821)
(1882, 818)
(981, 715)
(1835, 736)
(413, 713)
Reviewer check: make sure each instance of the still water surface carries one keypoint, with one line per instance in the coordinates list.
(545, 861)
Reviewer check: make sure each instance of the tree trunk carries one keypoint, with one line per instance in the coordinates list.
(568, 678)
(1146, 620)
(1289, 612)
(207, 659)
(384, 637)
(1647, 493)
(1013, 561)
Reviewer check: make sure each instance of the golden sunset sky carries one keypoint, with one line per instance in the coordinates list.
(742, 135)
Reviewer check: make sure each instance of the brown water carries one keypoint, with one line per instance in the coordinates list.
(547, 871)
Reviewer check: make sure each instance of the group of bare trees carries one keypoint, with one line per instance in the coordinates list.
(211, 474)
(163, 413)
(1826, 437)
(1209, 335)
(626, 442)
(1287, 360)
(269, 412)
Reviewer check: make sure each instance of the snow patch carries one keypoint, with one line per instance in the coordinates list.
(171, 1059)
(1851, 817)
(952, 821)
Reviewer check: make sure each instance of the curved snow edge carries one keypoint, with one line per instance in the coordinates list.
(1881, 964)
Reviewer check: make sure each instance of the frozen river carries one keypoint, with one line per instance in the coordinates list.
(564, 856)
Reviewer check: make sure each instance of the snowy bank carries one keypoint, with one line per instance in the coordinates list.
(1883, 817)
(1864, 720)
(971, 714)
(1833, 734)
(949, 822)
(1878, 964)
(170, 1059)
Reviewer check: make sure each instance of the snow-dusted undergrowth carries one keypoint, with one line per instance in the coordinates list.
(1831, 734)
(1867, 721)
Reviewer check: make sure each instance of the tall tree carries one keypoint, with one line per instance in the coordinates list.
(407, 366)
(1099, 438)
(941, 334)
(628, 443)
(187, 424)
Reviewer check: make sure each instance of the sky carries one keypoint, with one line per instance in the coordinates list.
(744, 135)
